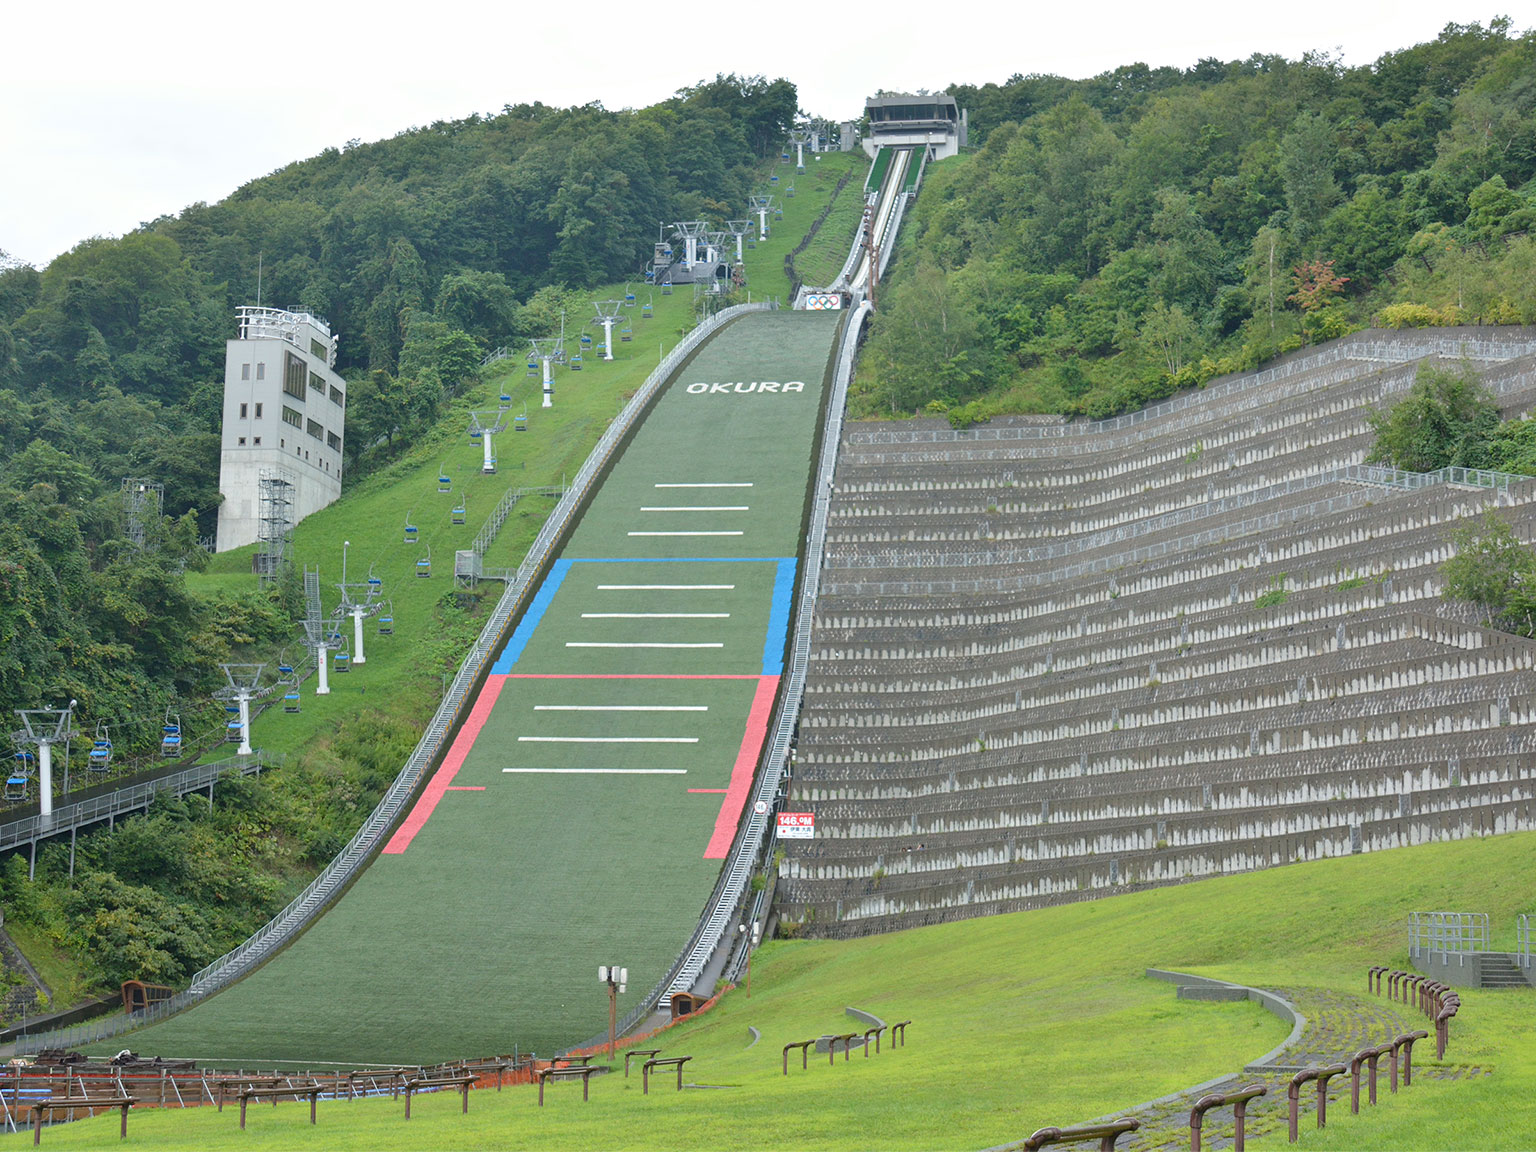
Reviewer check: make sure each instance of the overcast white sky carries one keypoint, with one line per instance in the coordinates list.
(113, 114)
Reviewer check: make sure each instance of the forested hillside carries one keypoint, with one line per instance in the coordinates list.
(1114, 239)
(422, 251)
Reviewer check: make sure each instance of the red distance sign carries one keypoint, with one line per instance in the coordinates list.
(797, 825)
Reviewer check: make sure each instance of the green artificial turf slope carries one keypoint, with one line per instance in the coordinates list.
(485, 933)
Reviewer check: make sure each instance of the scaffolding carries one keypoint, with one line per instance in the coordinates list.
(142, 503)
(274, 537)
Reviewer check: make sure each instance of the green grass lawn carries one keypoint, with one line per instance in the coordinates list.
(1019, 1021)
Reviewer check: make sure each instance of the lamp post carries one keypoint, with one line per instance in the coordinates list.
(616, 978)
(757, 935)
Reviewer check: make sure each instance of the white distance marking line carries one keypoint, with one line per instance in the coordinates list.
(695, 507)
(687, 533)
(746, 485)
(621, 707)
(665, 587)
(638, 644)
(603, 771)
(655, 615)
(607, 739)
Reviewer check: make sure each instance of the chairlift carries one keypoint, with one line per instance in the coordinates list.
(751, 243)
(291, 701)
(533, 367)
(15, 787)
(475, 433)
(645, 309)
(790, 192)
(774, 179)
(629, 299)
(411, 535)
(626, 334)
(375, 585)
(99, 758)
(520, 423)
(650, 275)
(386, 619)
(586, 341)
(170, 736)
(783, 157)
(666, 287)
(778, 213)
(459, 513)
(444, 481)
(424, 565)
(505, 397)
(341, 662)
(232, 731)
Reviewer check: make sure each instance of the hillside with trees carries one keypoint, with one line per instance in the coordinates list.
(1115, 239)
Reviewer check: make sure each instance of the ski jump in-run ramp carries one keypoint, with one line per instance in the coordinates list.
(584, 809)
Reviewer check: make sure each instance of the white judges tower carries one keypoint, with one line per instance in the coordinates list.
(284, 414)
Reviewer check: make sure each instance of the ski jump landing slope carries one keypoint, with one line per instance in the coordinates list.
(582, 814)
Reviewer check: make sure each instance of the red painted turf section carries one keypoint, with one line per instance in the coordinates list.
(746, 765)
(442, 779)
(730, 808)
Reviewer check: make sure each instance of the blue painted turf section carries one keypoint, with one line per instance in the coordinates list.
(778, 617)
(778, 614)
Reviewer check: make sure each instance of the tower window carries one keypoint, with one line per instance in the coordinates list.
(243, 408)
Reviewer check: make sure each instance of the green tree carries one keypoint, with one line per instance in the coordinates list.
(1490, 567)
(1445, 420)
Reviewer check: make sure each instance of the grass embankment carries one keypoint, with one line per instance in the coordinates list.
(825, 255)
(1020, 1021)
(813, 188)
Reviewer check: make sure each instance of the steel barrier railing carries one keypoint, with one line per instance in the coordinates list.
(1447, 932)
(352, 858)
(122, 800)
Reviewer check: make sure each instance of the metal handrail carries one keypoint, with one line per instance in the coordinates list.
(121, 800)
(1447, 932)
(359, 850)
